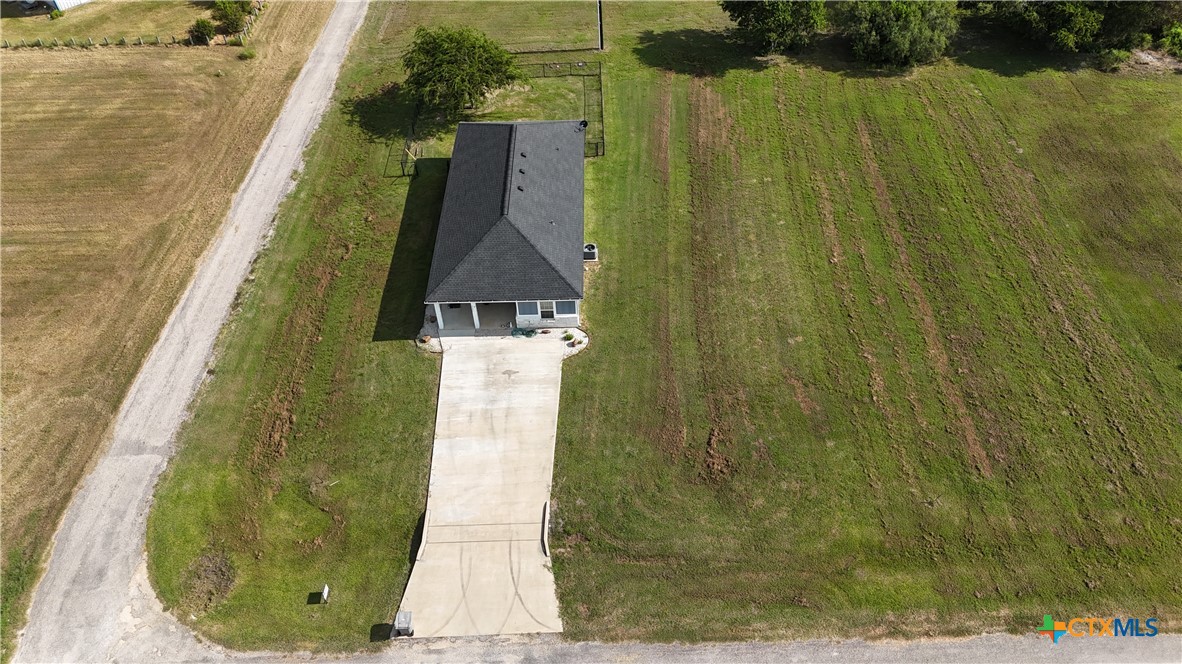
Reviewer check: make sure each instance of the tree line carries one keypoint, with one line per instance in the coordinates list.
(904, 32)
(450, 69)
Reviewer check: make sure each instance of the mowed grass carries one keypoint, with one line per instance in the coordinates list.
(307, 457)
(117, 166)
(547, 25)
(871, 357)
(884, 355)
(105, 18)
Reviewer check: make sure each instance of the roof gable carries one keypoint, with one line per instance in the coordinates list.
(504, 262)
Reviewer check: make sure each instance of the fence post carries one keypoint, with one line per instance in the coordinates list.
(106, 41)
(39, 42)
(599, 17)
(141, 41)
(23, 43)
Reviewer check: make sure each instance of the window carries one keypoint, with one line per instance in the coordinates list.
(547, 309)
(527, 308)
(565, 308)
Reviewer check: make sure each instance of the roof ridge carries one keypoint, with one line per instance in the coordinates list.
(468, 255)
(536, 250)
(508, 173)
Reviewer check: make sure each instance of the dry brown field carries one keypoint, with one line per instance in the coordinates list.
(116, 168)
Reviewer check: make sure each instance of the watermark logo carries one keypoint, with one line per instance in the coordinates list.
(1052, 628)
(1086, 627)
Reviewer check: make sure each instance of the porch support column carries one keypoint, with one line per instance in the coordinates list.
(438, 315)
(475, 316)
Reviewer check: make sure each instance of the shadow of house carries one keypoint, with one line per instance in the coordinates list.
(400, 313)
(697, 52)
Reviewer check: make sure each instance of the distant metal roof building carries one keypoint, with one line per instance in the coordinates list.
(63, 5)
(511, 227)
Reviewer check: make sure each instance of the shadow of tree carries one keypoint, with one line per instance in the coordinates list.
(832, 53)
(400, 313)
(987, 44)
(383, 114)
(696, 52)
(705, 53)
(391, 112)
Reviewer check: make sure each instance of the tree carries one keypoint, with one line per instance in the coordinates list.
(202, 31)
(1088, 26)
(1061, 26)
(451, 68)
(899, 32)
(778, 26)
(1171, 40)
(230, 14)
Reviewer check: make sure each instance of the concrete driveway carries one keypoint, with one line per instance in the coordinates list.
(482, 569)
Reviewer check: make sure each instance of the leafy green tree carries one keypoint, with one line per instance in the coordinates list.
(1171, 40)
(899, 32)
(1088, 26)
(451, 68)
(202, 31)
(1061, 26)
(778, 26)
(230, 14)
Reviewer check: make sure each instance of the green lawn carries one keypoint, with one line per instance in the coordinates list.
(105, 18)
(307, 457)
(873, 354)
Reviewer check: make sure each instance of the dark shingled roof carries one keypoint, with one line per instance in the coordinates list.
(511, 227)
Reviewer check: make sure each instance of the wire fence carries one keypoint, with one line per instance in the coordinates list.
(410, 156)
(591, 73)
(594, 142)
(547, 69)
(236, 39)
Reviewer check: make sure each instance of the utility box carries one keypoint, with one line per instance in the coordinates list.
(402, 626)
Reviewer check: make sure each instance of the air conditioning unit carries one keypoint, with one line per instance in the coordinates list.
(591, 252)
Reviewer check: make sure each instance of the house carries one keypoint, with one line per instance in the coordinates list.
(63, 5)
(509, 250)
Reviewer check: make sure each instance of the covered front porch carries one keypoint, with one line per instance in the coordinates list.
(468, 319)
(455, 319)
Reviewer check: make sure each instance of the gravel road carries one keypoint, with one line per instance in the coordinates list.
(95, 603)
(94, 598)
